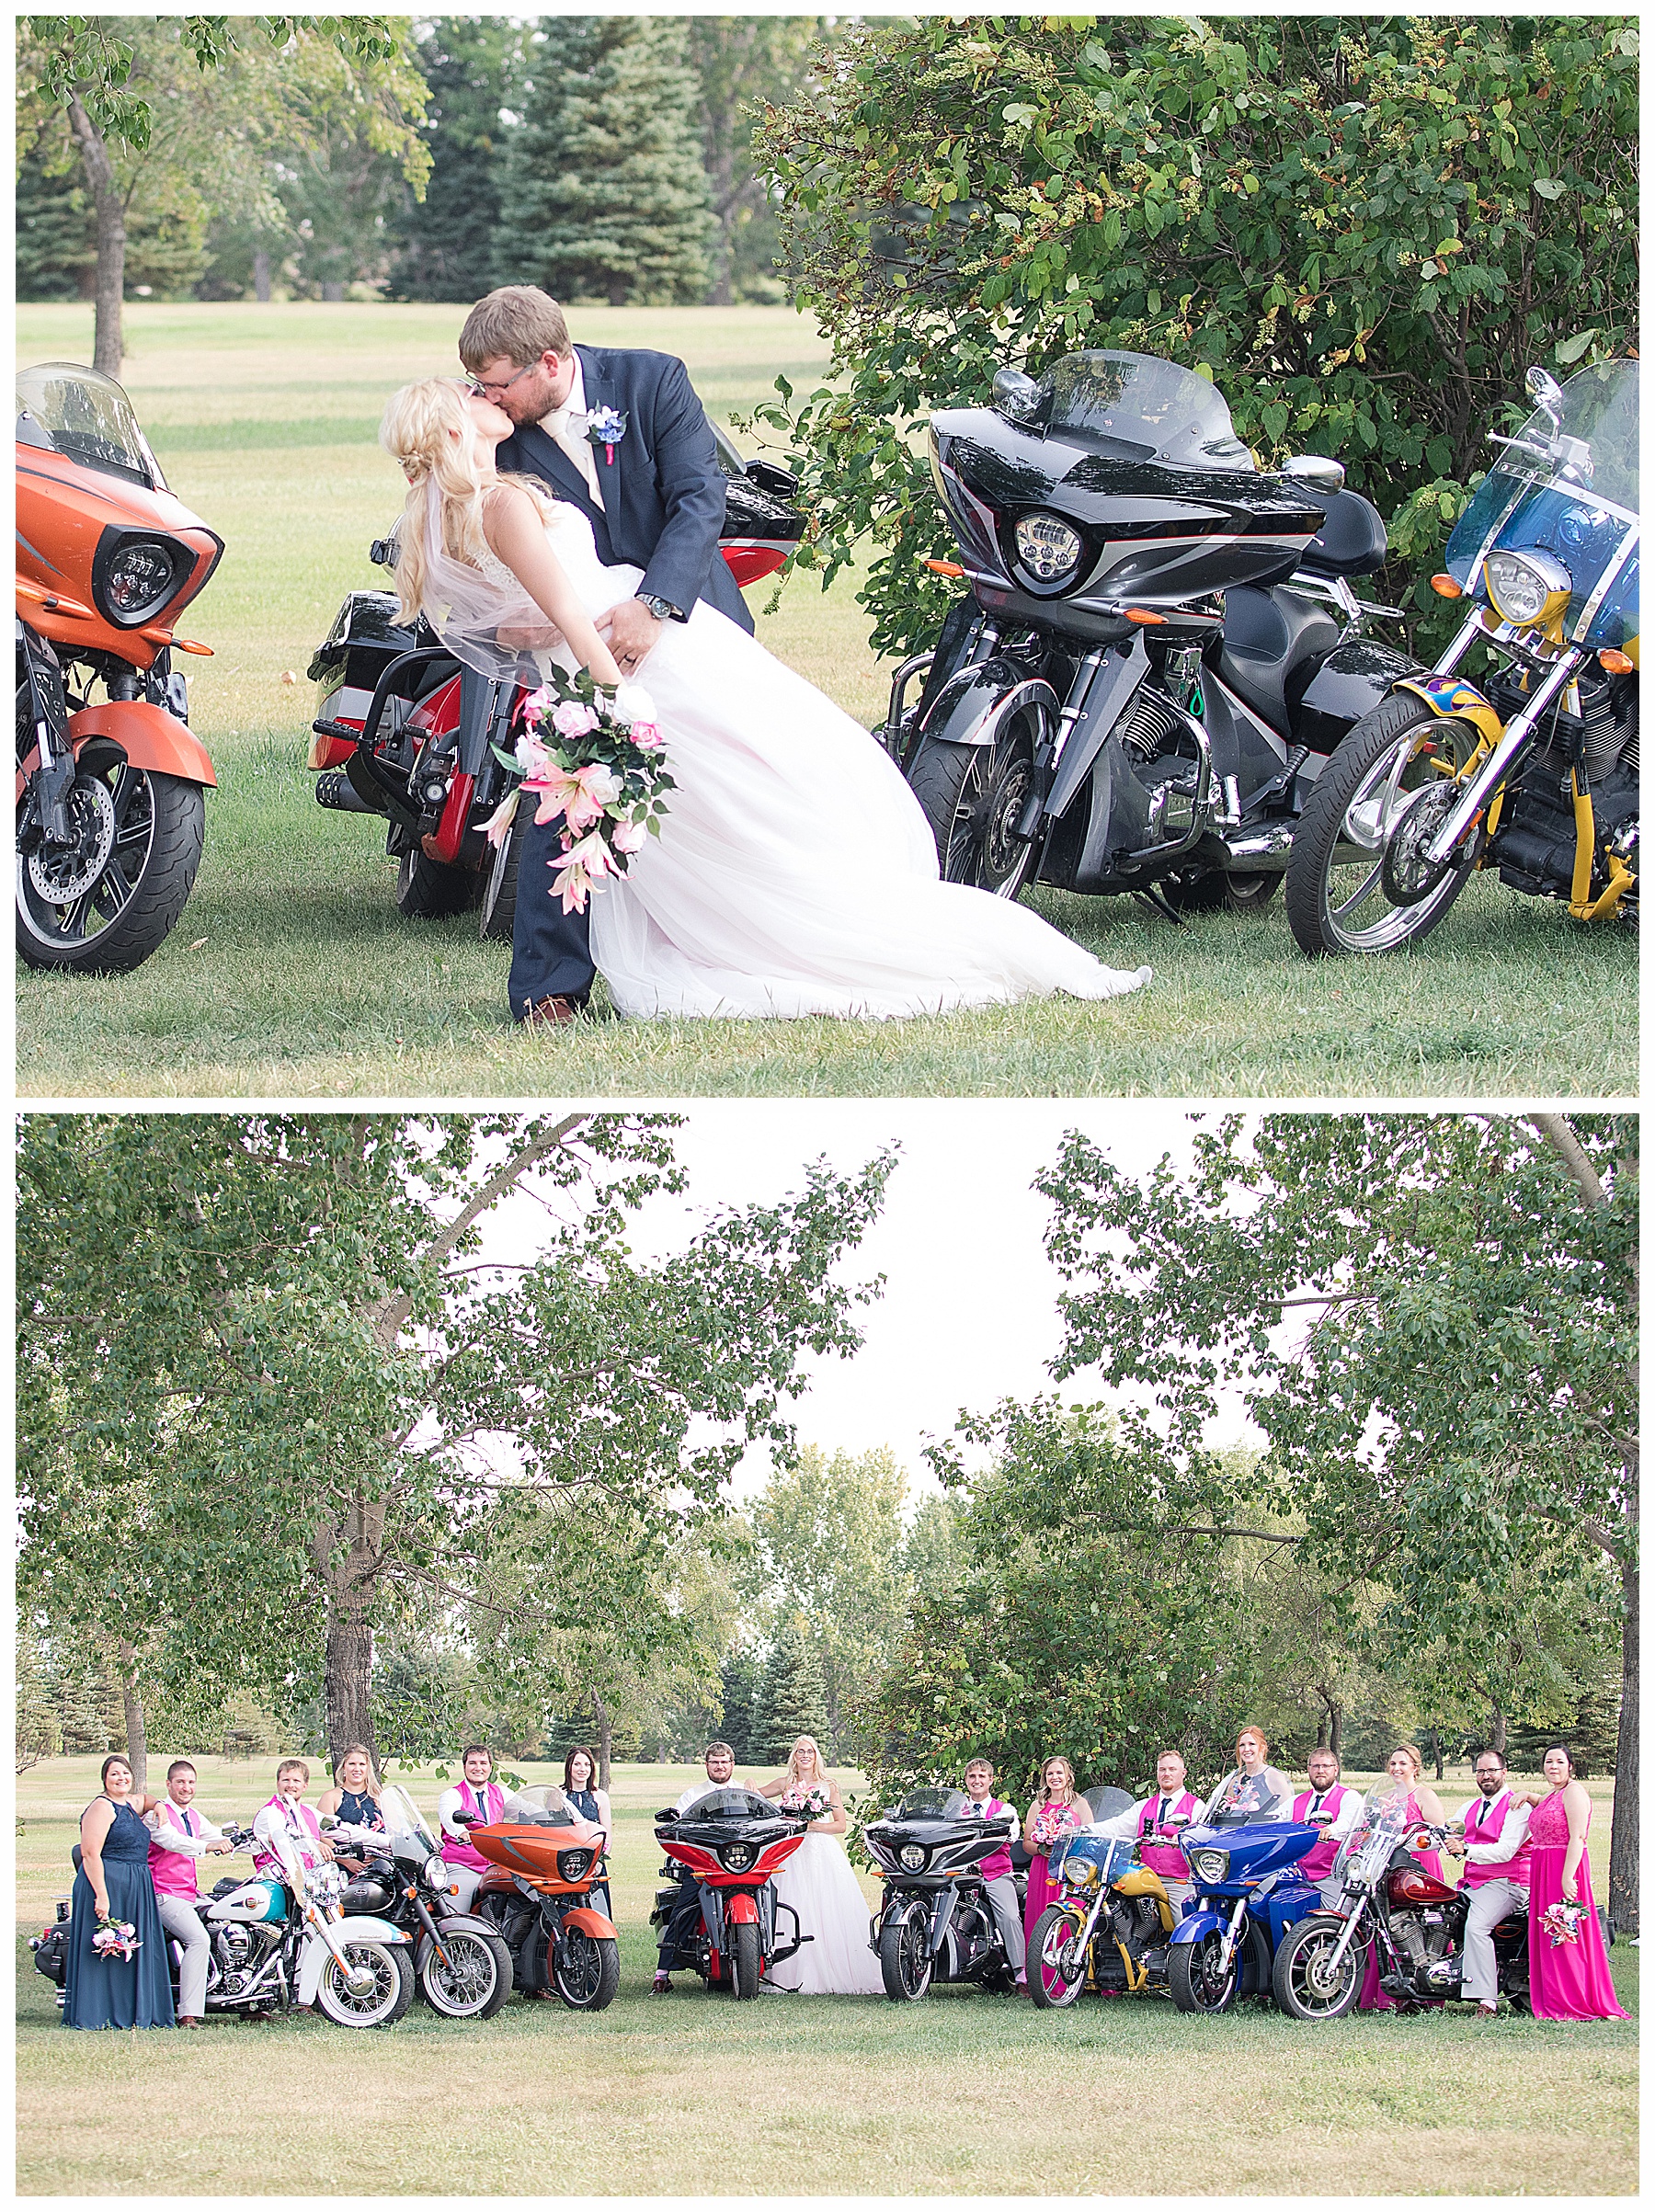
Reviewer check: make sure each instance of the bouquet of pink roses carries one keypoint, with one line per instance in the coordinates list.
(115, 1939)
(597, 758)
(1561, 1920)
(816, 1801)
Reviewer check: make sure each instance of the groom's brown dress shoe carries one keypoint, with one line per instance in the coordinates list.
(552, 1014)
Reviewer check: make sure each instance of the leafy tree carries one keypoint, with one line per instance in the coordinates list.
(603, 193)
(331, 1409)
(446, 242)
(1361, 228)
(39, 1730)
(935, 1554)
(742, 63)
(177, 108)
(1433, 1318)
(792, 1699)
(740, 1681)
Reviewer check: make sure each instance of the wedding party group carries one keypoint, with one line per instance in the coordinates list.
(137, 1884)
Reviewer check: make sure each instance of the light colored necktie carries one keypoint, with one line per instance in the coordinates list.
(566, 428)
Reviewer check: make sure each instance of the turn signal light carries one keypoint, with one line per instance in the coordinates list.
(1446, 589)
(1616, 663)
(945, 568)
(1143, 616)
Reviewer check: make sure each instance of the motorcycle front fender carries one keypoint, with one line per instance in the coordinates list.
(590, 1922)
(359, 1928)
(1455, 701)
(741, 1909)
(970, 707)
(1195, 1927)
(148, 736)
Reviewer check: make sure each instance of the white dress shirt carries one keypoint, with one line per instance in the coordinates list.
(453, 1800)
(1345, 1819)
(570, 436)
(173, 1836)
(1493, 1849)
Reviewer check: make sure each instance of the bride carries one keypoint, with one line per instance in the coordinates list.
(795, 874)
(820, 1885)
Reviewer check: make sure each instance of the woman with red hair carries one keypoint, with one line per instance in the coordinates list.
(1252, 1790)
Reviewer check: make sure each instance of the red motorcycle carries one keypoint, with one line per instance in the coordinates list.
(402, 731)
(733, 1840)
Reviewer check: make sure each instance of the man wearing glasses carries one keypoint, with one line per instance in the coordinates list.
(1496, 1851)
(654, 494)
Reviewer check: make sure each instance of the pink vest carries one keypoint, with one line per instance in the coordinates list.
(1484, 1820)
(1317, 1861)
(1166, 1858)
(491, 1806)
(266, 1862)
(176, 1873)
(998, 1861)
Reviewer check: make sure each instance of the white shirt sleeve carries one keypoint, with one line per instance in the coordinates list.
(1121, 1826)
(1513, 1829)
(447, 1806)
(171, 1837)
(1347, 1817)
(1011, 1814)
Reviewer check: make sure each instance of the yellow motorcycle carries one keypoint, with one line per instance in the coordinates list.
(1109, 1927)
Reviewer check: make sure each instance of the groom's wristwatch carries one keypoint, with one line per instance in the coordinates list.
(663, 609)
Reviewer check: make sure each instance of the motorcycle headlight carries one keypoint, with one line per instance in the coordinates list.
(132, 581)
(1210, 1865)
(572, 1865)
(1527, 587)
(1047, 547)
(1081, 1875)
(437, 1873)
(737, 1857)
(912, 1856)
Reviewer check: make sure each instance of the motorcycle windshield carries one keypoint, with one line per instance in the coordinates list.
(1376, 1834)
(1130, 406)
(732, 1804)
(86, 418)
(1571, 493)
(545, 1804)
(931, 1805)
(405, 1823)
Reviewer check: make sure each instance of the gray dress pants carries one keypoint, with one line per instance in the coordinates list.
(1491, 1902)
(179, 1917)
(1002, 1901)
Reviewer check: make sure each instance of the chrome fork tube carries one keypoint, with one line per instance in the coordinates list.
(1232, 1935)
(1469, 630)
(1487, 779)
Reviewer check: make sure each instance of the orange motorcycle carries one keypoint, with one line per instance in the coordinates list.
(111, 806)
(543, 1865)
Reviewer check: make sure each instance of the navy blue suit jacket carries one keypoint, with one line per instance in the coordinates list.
(663, 493)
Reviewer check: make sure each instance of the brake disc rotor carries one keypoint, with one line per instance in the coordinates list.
(1408, 876)
(62, 873)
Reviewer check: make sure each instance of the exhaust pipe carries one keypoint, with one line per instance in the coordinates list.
(1263, 850)
(334, 788)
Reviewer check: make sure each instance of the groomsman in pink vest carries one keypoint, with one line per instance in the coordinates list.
(1156, 1821)
(996, 1869)
(1334, 1808)
(181, 1836)
(1496, 1851)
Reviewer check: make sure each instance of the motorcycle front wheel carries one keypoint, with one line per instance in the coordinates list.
(586, 1969)
(971, 796)
(103, 903)
(744, 1959)
(1197, 1983)
(381, 2005)
(1342, 890)
(473, 1981)
(1056, 1962)
(905, 1959)
(1305, 1983)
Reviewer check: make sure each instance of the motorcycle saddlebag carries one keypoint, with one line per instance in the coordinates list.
(51, 1953)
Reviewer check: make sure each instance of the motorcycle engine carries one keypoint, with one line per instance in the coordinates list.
(1534, 845)
(236, 1946)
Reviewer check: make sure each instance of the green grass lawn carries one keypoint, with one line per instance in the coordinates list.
(292, 972)
(961, 2094)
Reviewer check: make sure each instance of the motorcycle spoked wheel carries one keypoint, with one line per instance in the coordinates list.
(1304, 1981)
(1196, 1983)
(1056, 1964)
(905, 1959)
(380, 2006)
(102, 904)
(584, 1969)
(971, 796)
(1345, 886)
(475, 1979)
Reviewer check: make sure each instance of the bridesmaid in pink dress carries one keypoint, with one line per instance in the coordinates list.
(1567, 1980)
(1406, 1769)
(1056, 1812)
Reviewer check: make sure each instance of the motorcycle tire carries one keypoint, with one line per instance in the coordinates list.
(1294, 1982)
(430, 890)
(1049, 1986)
(141, 836)
(744, 1959)
(905, 1959)
(1195, 1981)
(473, 1982)
(972, 794)
(586, 1969)
(1336, 898)
(1217, 893)
(392, 1990)
(498, 904)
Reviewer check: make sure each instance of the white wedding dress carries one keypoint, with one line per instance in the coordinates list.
(795, 874)
(820, 1885)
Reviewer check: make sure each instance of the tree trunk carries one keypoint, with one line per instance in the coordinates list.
(1623, 1840)
(349, 1554)
(349, 1669)
(261, 272)
(111, 241)
(605, 1736)
(1496, 1731)
(1336, 1729)
(1436, 1746)
(133, 1701)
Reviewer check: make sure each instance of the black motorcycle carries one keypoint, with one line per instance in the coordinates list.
(402, 731)
(1160, 648)
(461, 1962)
(935, 1922)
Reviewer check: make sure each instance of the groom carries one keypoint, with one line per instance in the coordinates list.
(655, 495)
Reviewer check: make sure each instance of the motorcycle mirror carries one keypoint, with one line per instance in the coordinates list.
(1315, 469)
(1016, 396)
(1548, 395)
(769, 477)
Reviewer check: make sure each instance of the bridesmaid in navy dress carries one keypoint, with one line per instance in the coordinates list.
(113, 1883)
(580, 1788)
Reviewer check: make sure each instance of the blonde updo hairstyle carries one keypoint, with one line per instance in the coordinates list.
(417, 431)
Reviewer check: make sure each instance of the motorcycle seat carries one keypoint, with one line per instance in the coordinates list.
(1351, 541)
(1269, 632)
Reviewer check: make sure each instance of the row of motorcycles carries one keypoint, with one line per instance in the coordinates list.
(1254, 1927)
(1157, 680)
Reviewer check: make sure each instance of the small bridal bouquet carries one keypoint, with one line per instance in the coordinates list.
(115, 1939)
(598, 759)
(1561, 1920)
(814, 1801)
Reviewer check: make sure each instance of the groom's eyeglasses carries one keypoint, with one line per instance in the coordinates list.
(484, 390)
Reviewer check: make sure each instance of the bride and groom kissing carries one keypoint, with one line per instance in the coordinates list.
(570, 496)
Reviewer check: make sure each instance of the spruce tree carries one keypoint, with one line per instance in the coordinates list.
(739, 1678)
(604, 194)
(56, 245)
(445, 244)
(793, 1701)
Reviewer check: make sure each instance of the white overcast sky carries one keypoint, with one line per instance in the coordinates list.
(968, 1315)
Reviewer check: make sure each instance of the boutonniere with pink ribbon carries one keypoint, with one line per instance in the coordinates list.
(606, 426)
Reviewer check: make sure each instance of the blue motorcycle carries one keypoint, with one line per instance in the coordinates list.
(1249, 1892)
